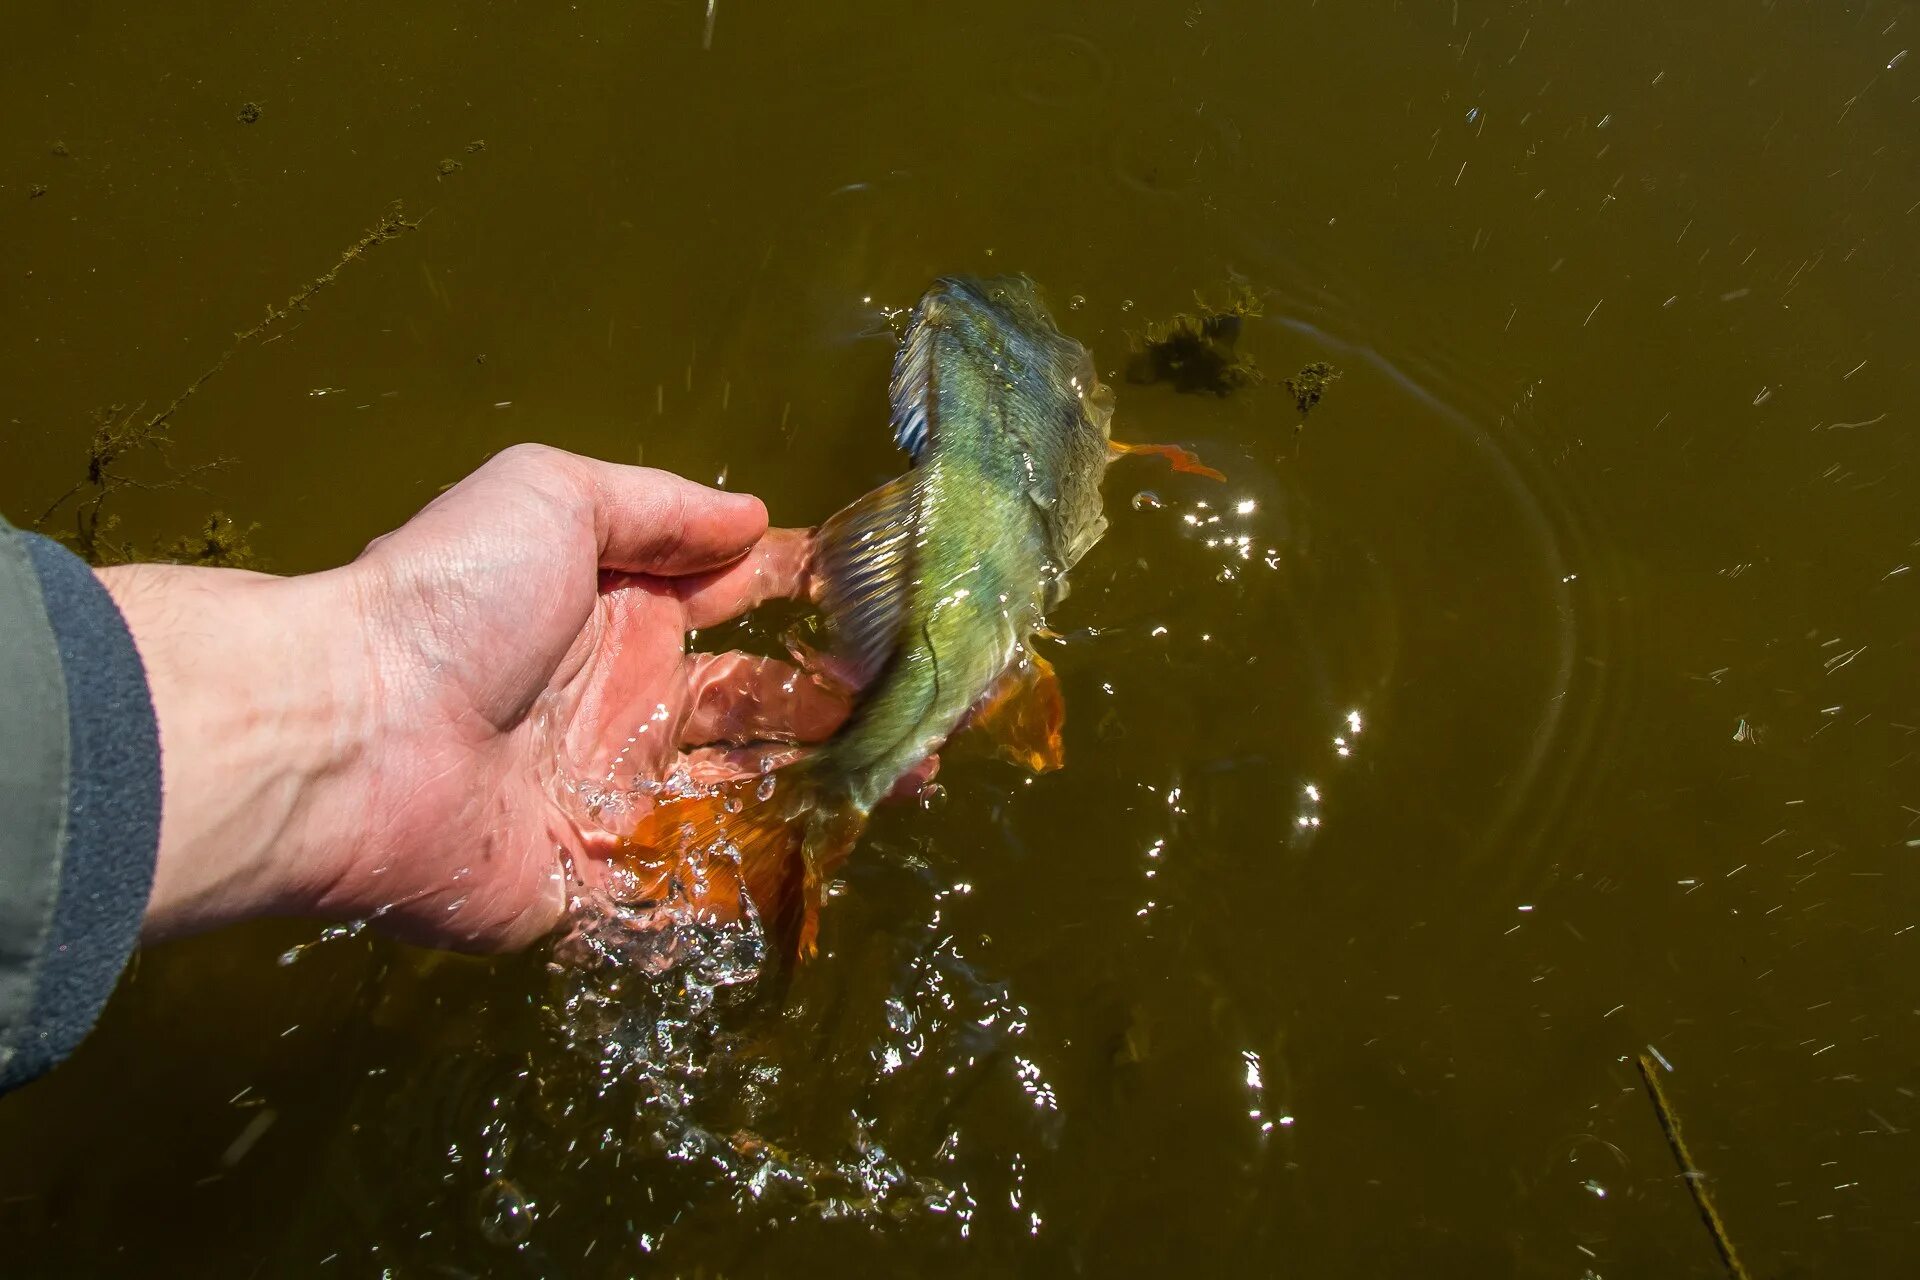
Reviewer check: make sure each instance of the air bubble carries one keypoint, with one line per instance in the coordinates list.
(932, 796)
(1147, 500)
(506, 1218)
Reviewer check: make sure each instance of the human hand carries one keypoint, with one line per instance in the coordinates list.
(431, 733)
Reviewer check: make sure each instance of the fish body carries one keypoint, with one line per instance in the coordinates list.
(931, 587)
(933, 584)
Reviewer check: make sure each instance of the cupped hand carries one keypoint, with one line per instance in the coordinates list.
(443, 733)
(526, 635)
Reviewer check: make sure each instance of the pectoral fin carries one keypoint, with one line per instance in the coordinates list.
(1022, 715)
(1180, 459)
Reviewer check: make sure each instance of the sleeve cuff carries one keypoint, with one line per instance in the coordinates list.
(91, 883)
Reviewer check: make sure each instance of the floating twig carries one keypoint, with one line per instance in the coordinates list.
(1690, 1172)
(120, 433)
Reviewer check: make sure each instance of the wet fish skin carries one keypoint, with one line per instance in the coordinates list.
(932, 586)
(1008, 425)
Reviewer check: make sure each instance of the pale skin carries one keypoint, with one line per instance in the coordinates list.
(392, 738)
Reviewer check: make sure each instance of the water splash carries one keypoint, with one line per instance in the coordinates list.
(332, 933)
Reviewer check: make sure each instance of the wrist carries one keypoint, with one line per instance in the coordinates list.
(260, 709)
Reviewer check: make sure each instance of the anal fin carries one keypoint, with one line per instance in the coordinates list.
(830, 839)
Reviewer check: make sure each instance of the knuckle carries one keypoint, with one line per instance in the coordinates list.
(669, 533)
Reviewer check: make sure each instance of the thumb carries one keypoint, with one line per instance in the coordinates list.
(655, 522)
(643, 521)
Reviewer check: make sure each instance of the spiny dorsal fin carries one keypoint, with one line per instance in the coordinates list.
(862, 562)
(911, 391)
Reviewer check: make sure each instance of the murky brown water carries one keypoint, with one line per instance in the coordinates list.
(1563, 704)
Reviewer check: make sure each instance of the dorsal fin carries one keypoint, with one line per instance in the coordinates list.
(911, 391)
(862, 563)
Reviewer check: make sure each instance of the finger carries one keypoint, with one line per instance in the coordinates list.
(655, 522)
(740, 698)
(775, 569)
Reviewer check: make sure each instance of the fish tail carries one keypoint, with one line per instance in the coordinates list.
(752, 844)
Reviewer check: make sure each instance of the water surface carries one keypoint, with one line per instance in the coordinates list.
(1551, 695)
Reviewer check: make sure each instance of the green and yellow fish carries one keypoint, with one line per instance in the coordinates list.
(931, 587)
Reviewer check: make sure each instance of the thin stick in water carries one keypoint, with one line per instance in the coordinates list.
(1690, 1172)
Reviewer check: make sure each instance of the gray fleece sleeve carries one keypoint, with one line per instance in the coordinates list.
(79, 801)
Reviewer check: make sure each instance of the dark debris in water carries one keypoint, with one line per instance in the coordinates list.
(218, 542)
(249, 113)
(1198, 352)
(1308, 385)
(125, 437)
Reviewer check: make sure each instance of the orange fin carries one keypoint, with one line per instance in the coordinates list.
(830, 838)
(718, 848)
(1180, 459)
(1023, 713)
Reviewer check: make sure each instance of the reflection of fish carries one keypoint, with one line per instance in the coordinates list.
(931, 586)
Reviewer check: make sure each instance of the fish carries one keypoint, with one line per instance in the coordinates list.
(932, 588)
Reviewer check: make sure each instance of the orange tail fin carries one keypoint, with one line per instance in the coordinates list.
(719, 851)
(1180, 459)
(744, 842)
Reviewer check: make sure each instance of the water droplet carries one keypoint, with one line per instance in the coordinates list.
(1126, 304)
(1147, 500)
(506, 1218)
(764, 792)
(1076, 302)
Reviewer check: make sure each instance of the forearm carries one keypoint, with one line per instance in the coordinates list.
(258, 699)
